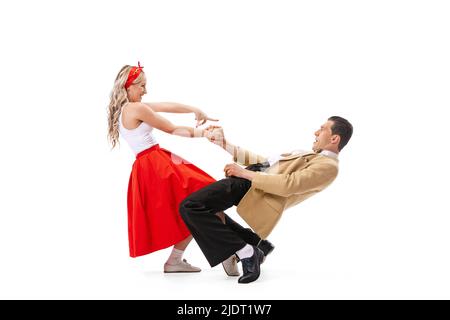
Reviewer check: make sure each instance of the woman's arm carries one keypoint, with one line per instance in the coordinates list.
(173, 107)
(145, 113)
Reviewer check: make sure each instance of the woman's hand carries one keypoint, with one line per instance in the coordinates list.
(201, 117)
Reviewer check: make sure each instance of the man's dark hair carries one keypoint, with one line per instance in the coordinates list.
(342, 128)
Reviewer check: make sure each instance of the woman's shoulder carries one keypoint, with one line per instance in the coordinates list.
(138, 106)
(135, 107)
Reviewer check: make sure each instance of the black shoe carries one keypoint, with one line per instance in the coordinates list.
(250, 266)
(266, 247)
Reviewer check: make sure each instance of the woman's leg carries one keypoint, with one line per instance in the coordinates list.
(183, 243)
(175, 262)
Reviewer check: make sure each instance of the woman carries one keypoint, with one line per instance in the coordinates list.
(159, 180)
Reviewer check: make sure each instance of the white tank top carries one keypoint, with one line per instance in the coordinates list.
(138, 139)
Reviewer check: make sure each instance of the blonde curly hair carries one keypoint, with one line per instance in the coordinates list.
(119, 98)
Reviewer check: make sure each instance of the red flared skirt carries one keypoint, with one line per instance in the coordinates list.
(159, 181)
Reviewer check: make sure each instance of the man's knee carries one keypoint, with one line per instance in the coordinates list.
(186, 208)
(183, 209)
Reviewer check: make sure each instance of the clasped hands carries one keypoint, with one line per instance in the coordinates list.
(216, 135)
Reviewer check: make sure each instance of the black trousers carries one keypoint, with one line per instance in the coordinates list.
(217, 240)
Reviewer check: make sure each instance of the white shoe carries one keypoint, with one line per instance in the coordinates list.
(231, 267)
(183, 266)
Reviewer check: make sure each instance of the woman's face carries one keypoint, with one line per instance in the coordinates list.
(137, 90)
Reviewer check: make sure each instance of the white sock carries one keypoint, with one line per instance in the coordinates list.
(245, 252)
(175, 257)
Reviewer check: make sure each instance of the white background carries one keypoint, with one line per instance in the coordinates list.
(272, 71)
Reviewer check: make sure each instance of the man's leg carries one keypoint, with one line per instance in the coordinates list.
(217, 240)
(249, 236)
(245, 234)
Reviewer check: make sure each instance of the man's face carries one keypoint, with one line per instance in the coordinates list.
(323, 136)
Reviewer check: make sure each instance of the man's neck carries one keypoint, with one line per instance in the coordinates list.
(331, 150)
(329, 153)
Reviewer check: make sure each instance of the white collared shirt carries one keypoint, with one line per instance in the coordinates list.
(328, 153)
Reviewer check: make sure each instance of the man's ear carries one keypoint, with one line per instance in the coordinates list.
(335, 139)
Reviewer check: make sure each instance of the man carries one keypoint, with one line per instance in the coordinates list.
(261, 193)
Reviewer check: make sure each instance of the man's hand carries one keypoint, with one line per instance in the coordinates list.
(235, 170)
(215, 135)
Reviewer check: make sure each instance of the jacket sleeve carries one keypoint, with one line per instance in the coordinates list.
(245, 157)
(315, 177)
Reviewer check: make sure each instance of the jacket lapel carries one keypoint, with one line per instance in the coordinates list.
(294, 156)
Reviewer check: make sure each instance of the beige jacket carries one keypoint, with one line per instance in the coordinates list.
(294, 179)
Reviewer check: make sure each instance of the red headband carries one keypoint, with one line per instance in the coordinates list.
(134, 73)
